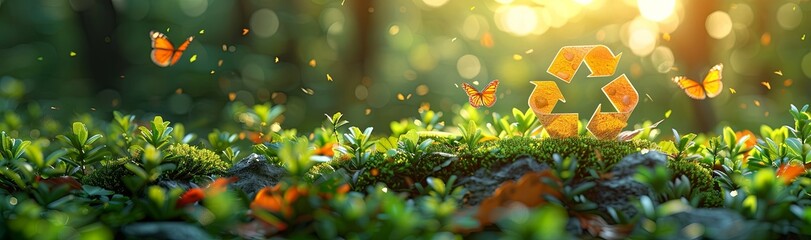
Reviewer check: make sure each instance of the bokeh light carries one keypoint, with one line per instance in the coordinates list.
(718, 24)
(520, 20)
(789, 16)
(656, 10)
(264, 22)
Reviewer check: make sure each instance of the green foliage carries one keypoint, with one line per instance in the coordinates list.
(147, 171)
(358, 146)
(80, 149)
(179, 162)
(14, 169)
(471, 134)
(160, 135)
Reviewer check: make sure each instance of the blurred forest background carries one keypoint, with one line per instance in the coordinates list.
(69, 59)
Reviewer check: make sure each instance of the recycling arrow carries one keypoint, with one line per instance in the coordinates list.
(542, 100)
(602, 63)
(599, 59)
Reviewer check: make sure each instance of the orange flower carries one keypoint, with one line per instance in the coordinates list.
(270, 199)
(191, 196)
(748, 144)
(219, 185)
(789, 172)
(326, 150)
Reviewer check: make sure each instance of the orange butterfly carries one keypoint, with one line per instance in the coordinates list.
(710, 87)
(163, 53)
(487, 97)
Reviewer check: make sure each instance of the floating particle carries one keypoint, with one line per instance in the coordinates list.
(342, 2)
(487, 40)
(402, 97)
(803, 37)
(743, 106)
(757, 103)
(788, 82)
(766, 114)
(92, 109)
(193, 58)
(312, 62)
(276, 60)
(767, 85)
(779, 72)
(530, 51)
(517, 57)
(232, 96)
(308, 91)
(72, 53)
(245, 31)
(122, 76)
(456, 85)
(368, 111)
(179, 91)
(666, 37)
(667, 114)
(224, 48)
(472, 8)
(219, 63)
(453, 39)
(212, 72)
(202, 31)
(476, 83)
(329, 78)
(167, 29)
(54, 108)
(732, 91)
(650, 98)
(39, 58)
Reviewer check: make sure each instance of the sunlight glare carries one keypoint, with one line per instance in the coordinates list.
(520, 20)
(656, 10)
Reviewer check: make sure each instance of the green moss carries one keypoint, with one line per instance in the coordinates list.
(109, 176)
(192, 164)
(701, 181)
(489, 155)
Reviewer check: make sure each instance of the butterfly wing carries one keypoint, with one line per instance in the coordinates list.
(712, 82)
(162, 49)
(489, 93)
(692, 88)
(180, 49)
(474, 96)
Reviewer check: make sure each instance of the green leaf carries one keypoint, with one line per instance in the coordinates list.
(138, 171)
(80, 131)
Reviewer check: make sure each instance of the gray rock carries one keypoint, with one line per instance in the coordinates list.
(254, 173)
(622, 187)
(484, 181)
(171, 184)
(711, 223)
(163, 230)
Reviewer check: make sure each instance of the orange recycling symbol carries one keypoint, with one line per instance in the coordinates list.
(602, 63)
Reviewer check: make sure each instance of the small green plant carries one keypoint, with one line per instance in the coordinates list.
(358, 146)
(160, 135)
(471, 135)
(15, 170)
(81, 151)
(148, 170)
(121, 134)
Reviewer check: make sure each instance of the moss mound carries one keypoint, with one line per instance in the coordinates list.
(398, 172)
(193, 164)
